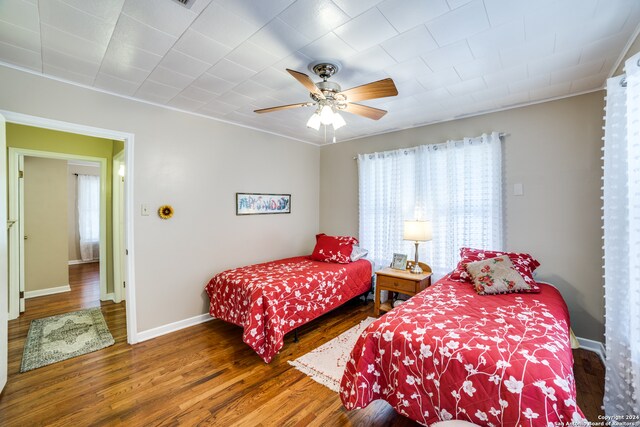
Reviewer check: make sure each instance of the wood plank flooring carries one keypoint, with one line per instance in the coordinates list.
(202, 375)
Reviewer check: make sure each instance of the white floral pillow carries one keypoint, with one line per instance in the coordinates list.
(496, 276)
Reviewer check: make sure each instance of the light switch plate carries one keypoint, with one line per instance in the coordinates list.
(518, 190)
(144, 210)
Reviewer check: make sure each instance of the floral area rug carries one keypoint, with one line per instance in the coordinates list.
(326, 363)
(64, 336)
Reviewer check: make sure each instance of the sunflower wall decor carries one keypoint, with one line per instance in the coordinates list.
(165, 211)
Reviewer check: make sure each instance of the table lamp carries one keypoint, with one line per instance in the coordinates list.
(417, 231)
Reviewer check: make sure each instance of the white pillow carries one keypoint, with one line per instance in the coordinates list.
(358, 253)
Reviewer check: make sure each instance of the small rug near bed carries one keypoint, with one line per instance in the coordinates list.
(64, 336)
(326, 363)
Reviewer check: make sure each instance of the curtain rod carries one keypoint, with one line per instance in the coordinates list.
(501, 135)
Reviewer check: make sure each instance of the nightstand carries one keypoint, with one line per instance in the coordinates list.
(398, 281)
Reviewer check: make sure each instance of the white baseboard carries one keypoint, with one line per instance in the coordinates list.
(48, 291)
(79, 261)
(172, 327)
(591, 345)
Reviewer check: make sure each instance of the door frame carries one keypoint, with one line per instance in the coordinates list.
(129, 139)
(16, 210)
(118, 243)
(4, 311)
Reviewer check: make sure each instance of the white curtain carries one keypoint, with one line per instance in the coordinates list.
(622, 242)
(89, 216)
(457, 185)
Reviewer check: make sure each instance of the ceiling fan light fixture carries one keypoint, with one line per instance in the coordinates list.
(338, 121)
(326, 115)
(314, 122)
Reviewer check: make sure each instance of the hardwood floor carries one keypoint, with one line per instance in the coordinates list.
(202, 375)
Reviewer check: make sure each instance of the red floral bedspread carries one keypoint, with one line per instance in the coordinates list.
(448, 353)
(268, 300)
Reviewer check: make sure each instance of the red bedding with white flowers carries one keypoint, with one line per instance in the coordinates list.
(268, 300)
(448, 353)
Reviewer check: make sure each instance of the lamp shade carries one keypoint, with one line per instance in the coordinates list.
(314, 122)
(418, 231)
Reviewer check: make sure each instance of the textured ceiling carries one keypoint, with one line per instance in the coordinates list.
(226, 58)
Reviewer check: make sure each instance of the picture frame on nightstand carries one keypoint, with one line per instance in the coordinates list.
(399, 262)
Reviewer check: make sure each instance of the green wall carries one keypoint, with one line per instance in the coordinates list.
(33, 138)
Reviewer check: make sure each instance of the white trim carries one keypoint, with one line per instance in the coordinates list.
(591, 345)
(79, 261)
(624, 52)
(83, 163)
(130, 98)
(48, 291)
(110, 297)
(129, 140)
(173, 327)
(14, 157)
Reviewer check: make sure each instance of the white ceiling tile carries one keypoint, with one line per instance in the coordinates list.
(199, 46)
(19, 56)
(355, 8)
(366, 30)
(218, 107)
(328, 46)
(108, 11)
(408, 70)
(478, 67)
(514, 100)
(279, 38)
(491, 94)
(74, 21)
(503, 37)
(135, 33)
(184, 103)
(362, 62)
(224, 26)
(171, 78)
(530, 83)
(67, 74)
(504, 11)
(557, 16)
(296, 61)
(459, 24)
(448, 56)
(589, 83)
(167, 16)
(199, 5)
(314, 18)
(454, 4)
(115, 84)
(258, 12)
(184, 64)
(410, 43)
(72, 64)
(506, 76)
(603, 48)
(579, 71)
(252, 89)
(72, 45)
(467, 87)
(120, 57)
(439, 79)
(156, 92)
(406, 14)
(275, 79)
(198, 94)
(19, 36)
(539, 47)
(554, 62)
(409, 87)
(123, 71)
(212, 83)
(455, 101)
(548, 92)
(252, 56)
(230, 71)
(21, 14)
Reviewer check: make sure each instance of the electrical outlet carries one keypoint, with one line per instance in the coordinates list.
(144, 211)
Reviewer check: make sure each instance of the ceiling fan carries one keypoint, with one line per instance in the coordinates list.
(329, 98)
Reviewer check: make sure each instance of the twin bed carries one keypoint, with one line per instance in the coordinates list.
(447, 353)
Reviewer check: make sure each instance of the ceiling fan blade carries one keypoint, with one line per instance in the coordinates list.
(380, 89)
(281, 107)
(364, 111)
(307, 82)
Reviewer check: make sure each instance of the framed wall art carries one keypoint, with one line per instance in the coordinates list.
(399, 261)
(261, 204)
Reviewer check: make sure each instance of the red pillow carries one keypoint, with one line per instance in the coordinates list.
(333, 248)
(525, 264)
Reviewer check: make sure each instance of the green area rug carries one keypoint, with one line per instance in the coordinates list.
(64, 336)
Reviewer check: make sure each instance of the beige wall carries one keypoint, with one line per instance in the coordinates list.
(553, 149)
(73, 237)
(197, 165)
(45, 223)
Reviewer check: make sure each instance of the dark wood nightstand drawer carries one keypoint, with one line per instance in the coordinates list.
(397, 283)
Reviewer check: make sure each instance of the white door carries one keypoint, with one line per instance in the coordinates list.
(21, 234)
(4, 277)
(119, 264)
